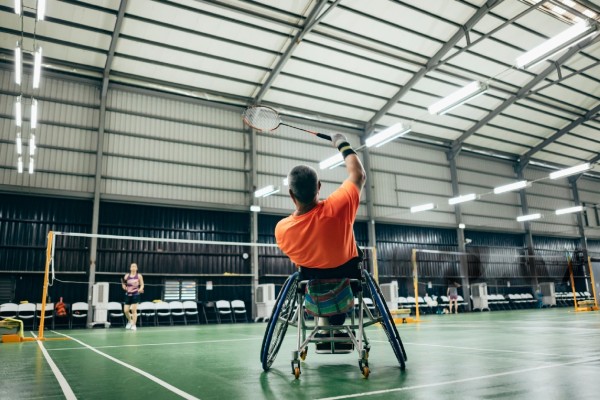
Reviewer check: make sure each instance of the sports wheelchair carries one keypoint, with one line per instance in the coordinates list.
(289, 310)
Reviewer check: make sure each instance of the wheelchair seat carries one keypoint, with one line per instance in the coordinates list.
(290, 309)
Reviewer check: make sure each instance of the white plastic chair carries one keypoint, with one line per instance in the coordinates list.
(27, 311)
(190, 308)
(176, 308)
(115, 310)
(9, 310)
(79, 310)
(239, 310)
(224, 309)
(147, 310)
(47, 314)
(163, 311)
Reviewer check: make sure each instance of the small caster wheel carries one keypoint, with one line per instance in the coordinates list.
(297, 372)
(365, 372)
(303, 354)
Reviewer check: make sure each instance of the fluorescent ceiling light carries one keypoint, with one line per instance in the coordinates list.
(20, 165)
(387, 135)
(34, 113)
(570, 171)
(555, 44)
(18, 7)
(18, 63)
(266, 191)
(589, 13)
(558, 10)
(332, 162)
(286, 182)
(423, 207)
(569, 210)
(462, 199)
(510, 187)
(37, 67)
(569, 3)
(31, 165)
(529, 217)
(461, 226)
(18, 112)
(457, 98)
(32, 145)
(19, 144)
(41, 9)
(255, 208)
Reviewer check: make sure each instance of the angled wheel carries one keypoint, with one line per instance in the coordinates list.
(386, 320)
(282, 315)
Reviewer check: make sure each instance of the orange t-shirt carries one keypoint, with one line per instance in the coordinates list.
(323, 237)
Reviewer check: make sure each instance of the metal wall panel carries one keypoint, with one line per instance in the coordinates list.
(52, 88)
(164, 193)
(182, 111)
(411, 167)
(173, 130)
(168, 149)
(65, 137)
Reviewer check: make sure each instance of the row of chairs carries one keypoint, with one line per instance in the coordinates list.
(184, 312)
(565, 299)
(149, 312)
(428, 304)
(32, 312)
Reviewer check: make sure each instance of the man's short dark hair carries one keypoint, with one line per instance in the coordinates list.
(304, 183)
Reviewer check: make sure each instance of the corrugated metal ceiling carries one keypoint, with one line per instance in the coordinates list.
(348, 66)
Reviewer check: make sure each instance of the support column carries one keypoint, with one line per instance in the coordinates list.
(528, 236)
(99, 154)
(372, 234)
(253, 216)
(96, 206)
(580, 227)
(460, 234)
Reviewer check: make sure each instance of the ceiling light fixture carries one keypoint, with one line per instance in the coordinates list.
(458, 98)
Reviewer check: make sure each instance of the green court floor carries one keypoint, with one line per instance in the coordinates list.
(533, 354)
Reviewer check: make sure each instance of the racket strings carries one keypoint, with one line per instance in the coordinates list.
(262, 118)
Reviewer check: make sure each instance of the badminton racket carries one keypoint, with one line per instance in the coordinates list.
(267, 119)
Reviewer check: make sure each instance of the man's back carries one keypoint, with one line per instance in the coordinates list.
(323, 237)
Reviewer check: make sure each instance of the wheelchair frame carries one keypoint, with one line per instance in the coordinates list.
(289, 310)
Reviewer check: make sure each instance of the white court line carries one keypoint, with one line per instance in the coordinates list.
(64, 385)
(475, 378)
(479, 349)
(151, 329)
(158, 344)
(135, 369)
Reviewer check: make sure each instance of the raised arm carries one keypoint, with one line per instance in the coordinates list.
(356, 171)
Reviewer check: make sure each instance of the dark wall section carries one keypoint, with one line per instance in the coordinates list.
(495, 258)
(24, 225)
(394, 248)
(220, 264)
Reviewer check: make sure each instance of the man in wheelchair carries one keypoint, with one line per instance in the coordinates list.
(319, 237)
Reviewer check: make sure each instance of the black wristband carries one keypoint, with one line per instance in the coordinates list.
(345, 149)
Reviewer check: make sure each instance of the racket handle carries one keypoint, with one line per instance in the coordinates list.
(323, 136)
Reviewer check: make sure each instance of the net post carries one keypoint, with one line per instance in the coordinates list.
(572, 279)
(415, 281)
(45, 289)
(591, 267)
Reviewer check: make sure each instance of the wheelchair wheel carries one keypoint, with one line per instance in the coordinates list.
(386, 320)
(283, 313)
